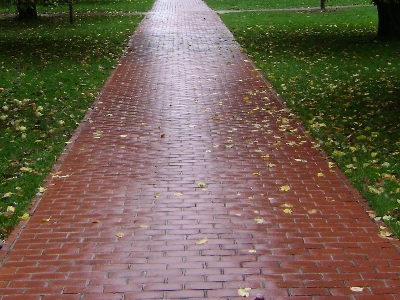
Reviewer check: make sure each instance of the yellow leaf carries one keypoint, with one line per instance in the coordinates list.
(385, 234)
(244, 292)
(287, 205)
(120, 234)
(312, 211)
(10, 208)
(320, 174)
(357, 288)
(46, 220)
(25, 216)
(285, 188)
(287, 211)
(178, 194)
(202, 241)
(256, 174)
(202, 184)
(156, 195)
(259, 220)
(143, 226)
(252, 251)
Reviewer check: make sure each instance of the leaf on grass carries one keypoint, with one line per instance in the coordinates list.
(244, 292)
(284, 188)
(7, 195)
(11, 208)
(202, 241)
(259, 220)
(120, 234)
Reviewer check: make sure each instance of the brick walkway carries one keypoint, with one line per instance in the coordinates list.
(189, 180)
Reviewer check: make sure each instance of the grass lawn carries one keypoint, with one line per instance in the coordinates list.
(50, 73)
(343, 85)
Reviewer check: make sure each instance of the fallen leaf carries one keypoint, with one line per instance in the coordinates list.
(287, 211)
(285, 188)
(385, 234)
(25, 216)
(178, 194)
(320, 174)
(143, 226)
(120, 234)
(312, 211)
(156, 195)
(357, 288)
(287, 205)
(10, 208)
(252, 251)
(259, 220)
(7, 195)
(202, 241)
(202, 184)
(96, 221)
(244, 292)
(46, 220)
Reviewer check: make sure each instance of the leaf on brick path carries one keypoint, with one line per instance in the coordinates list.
(259, 220)
(312, 211)
(245, 292)
(46, 220)
(143, 226)
(300, 160)
(120, 234)
(178, 194)
(252, 250)
(256, 174)
(41, 189)
(330, 199)
(123, 135)
(270, 165)
(385, 234)
(202, 241)
(202, 185)
(265, 156)
(25, 216)
(156, 195)
(288, 205)
(357, 288)
(285, 188)
(96, 221)
(320, 174)
(287, 210)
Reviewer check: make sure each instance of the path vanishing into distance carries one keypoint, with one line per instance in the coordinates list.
(188, 179)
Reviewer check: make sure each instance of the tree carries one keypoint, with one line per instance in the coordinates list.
(27, 9)
(388, 19)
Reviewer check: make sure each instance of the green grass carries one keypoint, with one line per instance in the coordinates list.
(274, 4)
(343, 85)
(92, 6)
(50, 73)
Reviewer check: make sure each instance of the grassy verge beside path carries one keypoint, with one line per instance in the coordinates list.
(50, 73)
(343, 85)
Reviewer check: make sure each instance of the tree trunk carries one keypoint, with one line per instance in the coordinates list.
(71, 12)
(322, 5)
(26, 9)
(388, 20)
